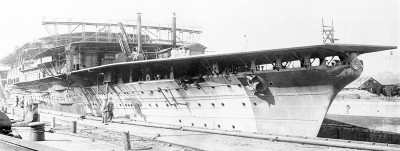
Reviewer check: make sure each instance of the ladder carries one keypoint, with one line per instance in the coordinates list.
(328, 32)
(123, 39)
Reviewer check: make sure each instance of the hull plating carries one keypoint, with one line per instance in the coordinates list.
(289, 106)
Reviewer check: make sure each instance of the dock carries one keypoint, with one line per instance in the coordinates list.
(91, 134)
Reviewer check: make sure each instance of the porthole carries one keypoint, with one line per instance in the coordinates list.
(156, 105)
(212, 104)
(150, 105)
(199, 104)
(120, 104)
(233, 126)
(270, 83)
(222, 104)
(126, 105)
(255, 104)
(166, 90)
(239, 85)
(192, 124)
(205, 125)
(219, 126)
(180, 121)
(167, 105)
(244, 104)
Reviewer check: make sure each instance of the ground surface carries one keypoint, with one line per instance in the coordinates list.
(108, 137)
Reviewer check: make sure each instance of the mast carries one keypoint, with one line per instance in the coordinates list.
(139, 32)
(328, 32)
(174, 30)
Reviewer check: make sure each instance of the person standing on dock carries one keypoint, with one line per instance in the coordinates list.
(16, 101)
(103, 111)
(108, 111)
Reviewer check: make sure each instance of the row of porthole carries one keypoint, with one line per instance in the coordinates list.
(134, 92)
(43, 96)
(205, 125)
(131, 92)
(91, 104)
(157, 90)
(157, 105)
(222, 104)
(127, 105)
(94, 104)
(131, 105)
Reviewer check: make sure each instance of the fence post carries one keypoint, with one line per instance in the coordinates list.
(126, 140)
(73, 127)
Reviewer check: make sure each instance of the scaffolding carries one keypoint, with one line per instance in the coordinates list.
(66, 31)
(328, 32)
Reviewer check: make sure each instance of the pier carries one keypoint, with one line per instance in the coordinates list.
(92, 134)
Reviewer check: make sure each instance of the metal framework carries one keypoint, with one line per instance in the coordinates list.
(90, 31)
(328, 32)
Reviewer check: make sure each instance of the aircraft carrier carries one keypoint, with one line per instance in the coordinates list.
(160, 74)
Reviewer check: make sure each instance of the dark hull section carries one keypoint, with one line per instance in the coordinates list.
(374, 114)
(359, 128)
(389, 124)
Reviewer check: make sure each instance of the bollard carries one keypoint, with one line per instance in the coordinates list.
(12, 111)
(73, 127)
(37, 131)
(126, 141)
(53, 122)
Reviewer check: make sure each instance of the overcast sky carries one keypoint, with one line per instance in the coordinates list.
(267, 24)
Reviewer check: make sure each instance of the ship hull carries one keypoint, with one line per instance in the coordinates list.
(295, 102)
